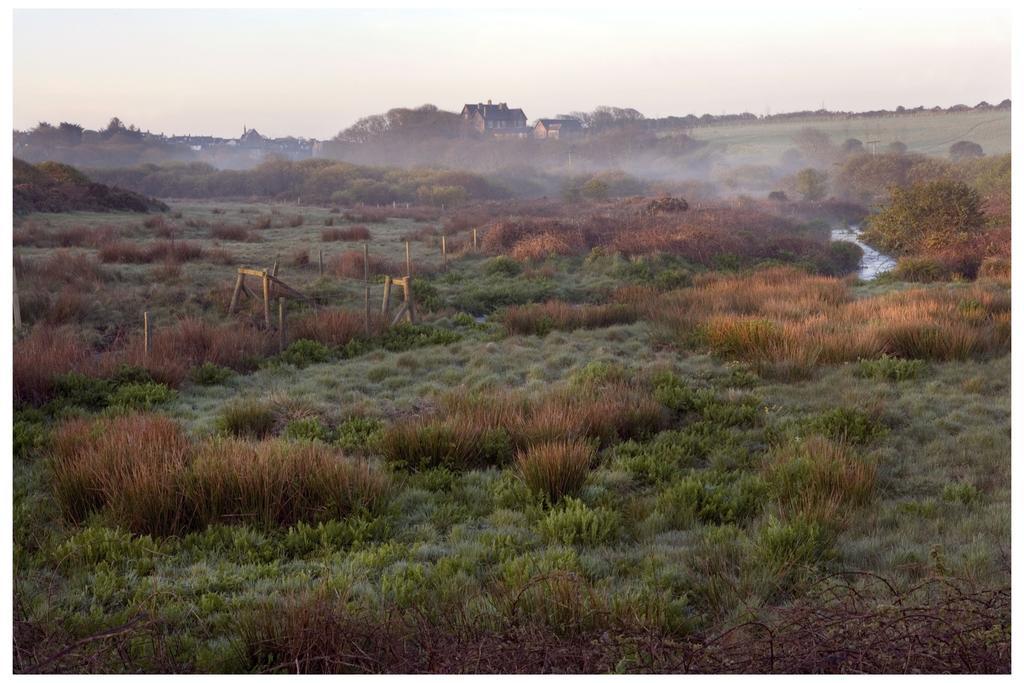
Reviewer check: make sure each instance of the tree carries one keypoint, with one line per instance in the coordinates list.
(852, 146)
(595, 188)
(965, 149)
(927, 217)
(896, 147)
(815, 144)
(811, 184)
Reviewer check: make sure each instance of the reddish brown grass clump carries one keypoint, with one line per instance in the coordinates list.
(784, 317)
(131, 466)
(334, 326)
(354, 233)
(350, 264)
(559, 315)
(557, 468)
(144, 473)
(40, 357)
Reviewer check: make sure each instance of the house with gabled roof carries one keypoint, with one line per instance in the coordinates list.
(556, 129)
(497, 120)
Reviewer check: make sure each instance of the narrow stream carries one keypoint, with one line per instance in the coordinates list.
(874, 262)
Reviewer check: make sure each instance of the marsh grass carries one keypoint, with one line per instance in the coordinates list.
(479, 430)
(144, 473)
(782, 317)
(559, 315)
(555, 469)
(820, 480)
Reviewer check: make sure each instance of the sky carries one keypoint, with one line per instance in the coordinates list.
(311, 73)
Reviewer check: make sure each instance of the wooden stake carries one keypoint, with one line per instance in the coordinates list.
(17, 302)
(145, 335)
(474, 239)
(408, 260)
(321, 262)
(239, 284)
(281, 340)
(366, 283)
(444, 254)
(266, 299)
(387, 295)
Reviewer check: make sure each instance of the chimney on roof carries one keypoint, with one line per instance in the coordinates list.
(488, 101)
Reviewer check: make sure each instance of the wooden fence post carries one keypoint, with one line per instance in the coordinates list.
(281, 339)
(321, 255)
(366, 283)
(444, 254)
(266, 298)
(387, 295)
(17, 302)
(234, 294)
(474, 240)
(146, 341)
(408, 260)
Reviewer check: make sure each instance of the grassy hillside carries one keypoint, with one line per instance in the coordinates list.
(924, 133)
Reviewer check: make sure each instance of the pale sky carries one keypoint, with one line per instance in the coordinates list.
(313, 72)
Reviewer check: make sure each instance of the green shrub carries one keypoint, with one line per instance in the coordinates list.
(963, 493)
(426, 295)
(357, 433)
(502, 265)
(246, 418)
(890, 368)
(789, 548)
(130, 374)
(141, 396)
(304, 352)
(481, 297)
(30, 433)
(80, 391)
(407, 337)
(573, 523)
(596, 373)
(661, 459)
(307, 429)
(846, 424)
(673, 393)
(711, 498)
(209, 374)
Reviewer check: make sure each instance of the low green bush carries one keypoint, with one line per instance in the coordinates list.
(890, 368)
(481, 297)
(962, 493)
(573, 523)
(713, 498)
(846, 424)
(357, 433)
(304, 352)
(141, 396)
(789, 549)
(502, 265)
(307, 429)
(209, 374)
(31, 434)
